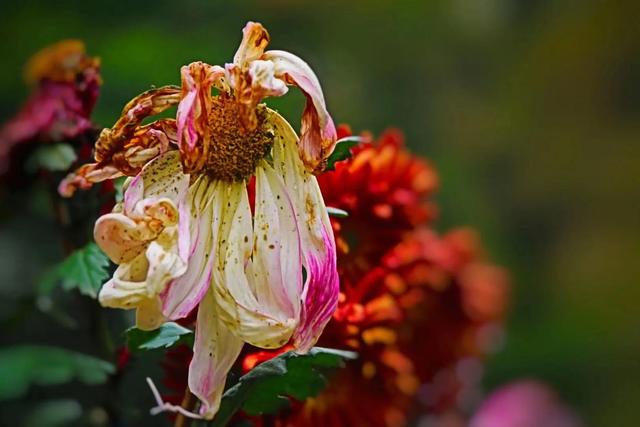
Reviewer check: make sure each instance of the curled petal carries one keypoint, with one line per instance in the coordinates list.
(194, 132)
(85, 176)
(318, 133)
(263, 80)
(146, 104)
(142, 236)
(251, 85)
(321, 290)
(135, 284)
(214, 352)
(255, 39)
(141, 145)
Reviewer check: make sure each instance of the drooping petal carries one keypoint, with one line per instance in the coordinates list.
(318, 133)
(277, 257)
(194, 132)
(255, 39)
(205, 209)
(214, 353)
(251, 295)
(321, 289)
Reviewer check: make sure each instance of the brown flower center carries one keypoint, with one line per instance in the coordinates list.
(235, 151)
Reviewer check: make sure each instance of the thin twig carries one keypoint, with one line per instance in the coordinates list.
(165, 406)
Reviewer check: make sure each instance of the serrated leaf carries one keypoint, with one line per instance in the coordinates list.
(85, 270)
(165, 336)
(52, 157)
(265, 388)
(342, 151)
(22, 366)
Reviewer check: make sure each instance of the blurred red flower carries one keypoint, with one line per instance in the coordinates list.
(66, 84)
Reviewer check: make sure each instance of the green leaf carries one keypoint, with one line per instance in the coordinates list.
(54, 413)
(165, 336)
(342, 151)
(265, 388)
(52, 157)
(338, 213)
(85, 269)
(21, 366)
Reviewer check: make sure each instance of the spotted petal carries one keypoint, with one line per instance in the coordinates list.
(205, 209)
(321, 289)
(258, 275)
(214, 352)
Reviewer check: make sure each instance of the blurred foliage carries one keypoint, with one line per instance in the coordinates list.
(529, 109)
(22, 366)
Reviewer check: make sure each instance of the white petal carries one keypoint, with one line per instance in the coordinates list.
(214, 353)
(252, 319)
(205, 207)
(321, 289)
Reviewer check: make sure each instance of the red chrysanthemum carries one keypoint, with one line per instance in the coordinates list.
(417, 321)
(385, 191)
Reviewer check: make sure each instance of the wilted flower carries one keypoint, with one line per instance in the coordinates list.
(262, 269)
(66, 84)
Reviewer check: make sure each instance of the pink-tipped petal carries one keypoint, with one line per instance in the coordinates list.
(185, 292)
(214, 353)
(194, 132)
(317, 133)
(321, 289)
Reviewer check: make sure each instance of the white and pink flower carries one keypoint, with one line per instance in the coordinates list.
(189, 234)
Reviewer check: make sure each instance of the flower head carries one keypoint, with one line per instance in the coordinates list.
(187, 235)
(384, 188)
(66, 83)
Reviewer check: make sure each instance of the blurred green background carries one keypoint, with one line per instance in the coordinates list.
(530, 110)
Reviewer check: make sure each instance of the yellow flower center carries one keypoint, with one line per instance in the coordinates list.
(235, 151)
